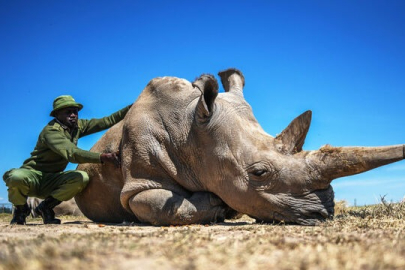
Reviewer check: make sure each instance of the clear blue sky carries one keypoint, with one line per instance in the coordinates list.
(344, 60)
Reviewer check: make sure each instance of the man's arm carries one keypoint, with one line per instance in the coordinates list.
(91, 126)
(61, 145)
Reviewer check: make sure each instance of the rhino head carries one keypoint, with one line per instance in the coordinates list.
(181, 142)
(272, 178)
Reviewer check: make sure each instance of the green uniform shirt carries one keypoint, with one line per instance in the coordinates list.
(56, 147)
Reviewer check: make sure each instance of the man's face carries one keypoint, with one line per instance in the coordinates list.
(68, 116)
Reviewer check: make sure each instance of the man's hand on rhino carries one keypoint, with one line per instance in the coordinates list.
(113, 158)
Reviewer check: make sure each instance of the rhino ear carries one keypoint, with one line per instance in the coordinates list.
(232, 80)
(291, 140)
(208, 86)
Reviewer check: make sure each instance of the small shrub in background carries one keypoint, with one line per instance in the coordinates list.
(378, 211)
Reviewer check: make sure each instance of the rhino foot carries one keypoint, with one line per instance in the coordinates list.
(165, 207)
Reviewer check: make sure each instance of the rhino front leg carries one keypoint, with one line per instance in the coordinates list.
(164, 207)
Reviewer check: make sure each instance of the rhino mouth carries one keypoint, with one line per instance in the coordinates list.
(307, 209)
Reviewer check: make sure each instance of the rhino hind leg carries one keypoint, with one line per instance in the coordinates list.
(164, 207)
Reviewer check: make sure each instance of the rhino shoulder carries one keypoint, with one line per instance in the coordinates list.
(168, 85)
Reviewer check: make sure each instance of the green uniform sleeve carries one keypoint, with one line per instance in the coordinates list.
(68, 150)
(91, 126)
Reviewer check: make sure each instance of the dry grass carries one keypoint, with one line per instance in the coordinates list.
(369, 237)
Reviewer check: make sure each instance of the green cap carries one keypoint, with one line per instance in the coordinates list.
(64, 102)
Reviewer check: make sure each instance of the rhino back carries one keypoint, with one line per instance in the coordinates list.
(157, 146)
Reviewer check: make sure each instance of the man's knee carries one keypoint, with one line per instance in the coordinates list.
(81, 178)
(17, 178)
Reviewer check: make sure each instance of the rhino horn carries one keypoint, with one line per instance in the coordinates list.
(333, 162)
(232, 80)
(292, 138)
(208, 86)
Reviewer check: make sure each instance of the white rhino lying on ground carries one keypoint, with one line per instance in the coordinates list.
(190, 155)
(65, 208)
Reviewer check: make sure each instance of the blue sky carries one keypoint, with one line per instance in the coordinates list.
(344, 60)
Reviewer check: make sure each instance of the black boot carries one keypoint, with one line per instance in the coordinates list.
(20, 213)
(45, 210)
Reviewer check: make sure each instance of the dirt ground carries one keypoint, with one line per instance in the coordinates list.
(358, 240)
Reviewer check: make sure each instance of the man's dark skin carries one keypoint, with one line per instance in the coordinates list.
(69, 117)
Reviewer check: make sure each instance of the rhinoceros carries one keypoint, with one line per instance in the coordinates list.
(192, 155)
(65, 208)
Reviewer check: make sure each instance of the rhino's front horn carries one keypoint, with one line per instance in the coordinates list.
(334, 162)
(232, 80)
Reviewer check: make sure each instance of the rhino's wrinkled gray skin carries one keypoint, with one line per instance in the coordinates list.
(190, 154)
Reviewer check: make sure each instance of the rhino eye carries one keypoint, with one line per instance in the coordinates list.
(260, 172)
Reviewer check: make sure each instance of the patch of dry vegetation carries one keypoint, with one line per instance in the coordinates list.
(369, 237)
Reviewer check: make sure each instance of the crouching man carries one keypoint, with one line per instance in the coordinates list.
(43, 176)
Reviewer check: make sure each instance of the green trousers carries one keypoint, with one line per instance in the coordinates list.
(62, 186)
